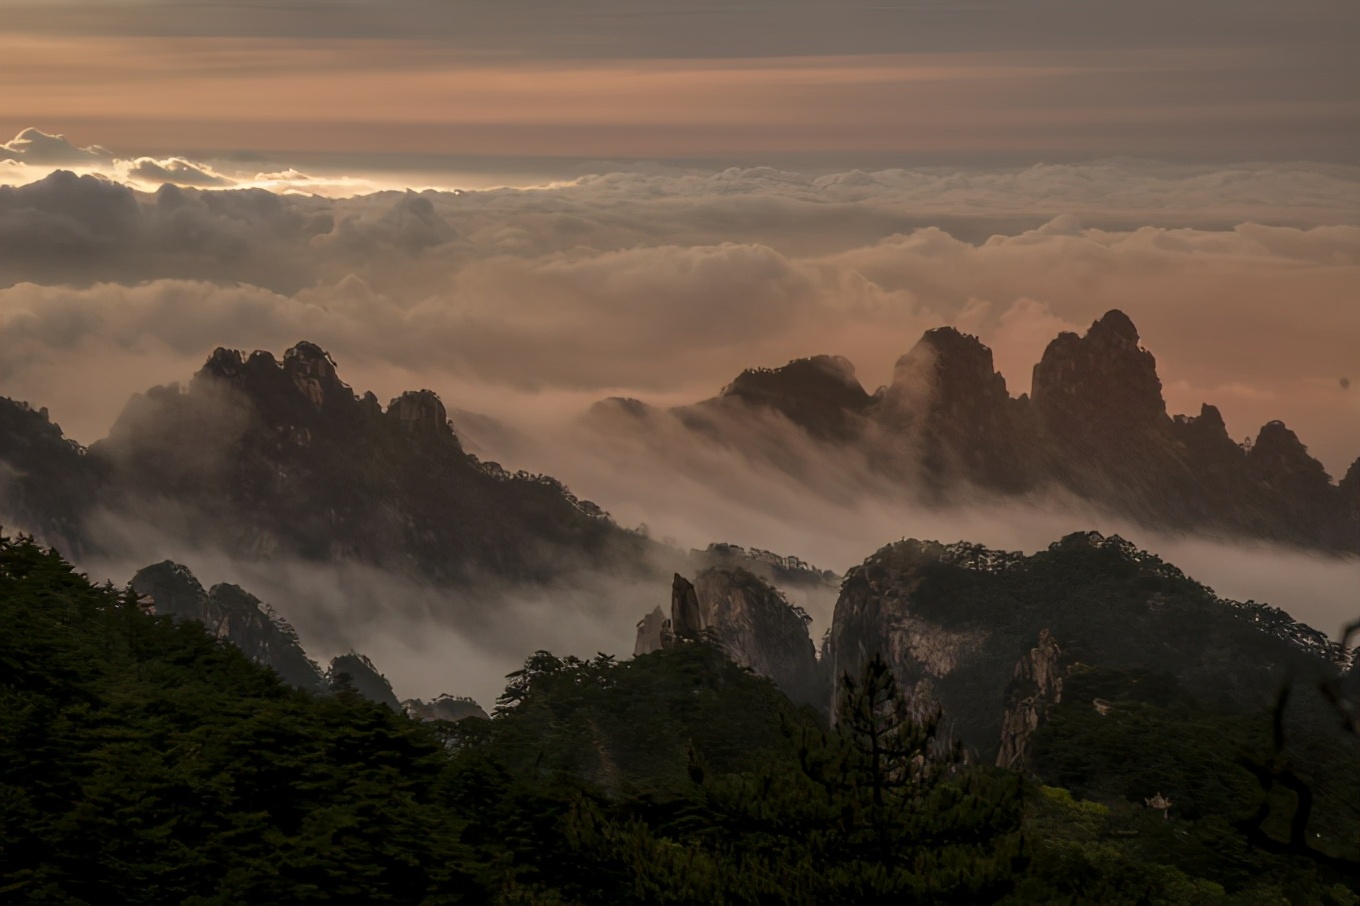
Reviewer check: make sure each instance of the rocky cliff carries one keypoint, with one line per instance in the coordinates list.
(234, 615)
(1036, 686)
(750, 619)
(957, 619)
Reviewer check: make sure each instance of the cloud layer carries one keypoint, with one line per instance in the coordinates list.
(664, 287)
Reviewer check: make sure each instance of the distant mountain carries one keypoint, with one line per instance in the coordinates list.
(232, 614)
(1095, 426)
(265, 458)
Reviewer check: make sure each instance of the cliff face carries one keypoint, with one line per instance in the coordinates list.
(1036, 686)
(748, 618)
(269, 458)
(952, 404)
(955, 620)
(234, 615)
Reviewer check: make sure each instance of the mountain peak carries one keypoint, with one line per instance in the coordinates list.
(959, 364)
(1096, 388)
(1116, 325)
(830, 377)
(420, 413)
(820, 393)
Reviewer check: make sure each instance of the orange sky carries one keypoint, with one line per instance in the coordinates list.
(315, 94)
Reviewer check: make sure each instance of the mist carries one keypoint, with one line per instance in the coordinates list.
(525, 307)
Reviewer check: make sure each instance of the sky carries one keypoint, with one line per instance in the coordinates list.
(931, 79)
(530, 206)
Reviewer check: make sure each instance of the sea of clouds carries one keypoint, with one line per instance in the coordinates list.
(523, 306)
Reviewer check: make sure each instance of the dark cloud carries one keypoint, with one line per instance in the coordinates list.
(176, 171)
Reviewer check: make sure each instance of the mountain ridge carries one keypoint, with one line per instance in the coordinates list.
(1095, 428)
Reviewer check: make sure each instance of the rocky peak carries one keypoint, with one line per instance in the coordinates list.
(1099, 385)
(948, 398)
(419, 413)
(1206, 438)
(1114, 328)
(963, 629)
(173, 590)
(1279, 455)
(827, 377)
(1350, 488)
(355, 671)
(687, 619)
(897, 561)
(749, 618)
(957, 366)
(313, 372)
(305, 381)
(817, 393)
(653, 633)
(224, 363)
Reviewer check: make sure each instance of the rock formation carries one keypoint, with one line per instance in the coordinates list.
(819, 394)
(1036, 686)
(653, 633)
(234, 615)
(354, 671)
(749, 618)
(956, 619)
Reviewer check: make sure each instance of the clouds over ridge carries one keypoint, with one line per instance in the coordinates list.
(1258, 319)
(664, 283)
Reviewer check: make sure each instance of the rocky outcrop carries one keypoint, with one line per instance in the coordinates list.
(687, 620)
(653, 633)
(450, 708)
(749, 618)
(1036, 687)
(231, 613)
(956, 619)
(356, 672)
(420, 414)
